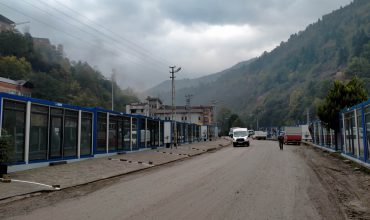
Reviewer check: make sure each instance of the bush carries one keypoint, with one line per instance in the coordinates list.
(5, 148)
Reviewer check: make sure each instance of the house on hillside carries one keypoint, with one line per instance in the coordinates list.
(16, 87)
(6, 24)
(41, 41)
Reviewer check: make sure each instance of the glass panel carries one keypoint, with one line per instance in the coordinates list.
(56, 135)
(71, 113)
(332, 138)
(179, 132)
(101, 132)
(190, 133)
(86, 135)
(161, 137)
(317, 137)
(349, 133)
(197, 132)
(70, 136)
(113, 133)
(14, 119)
(326, 136)
(155, 135)
(134, 134)
(367, 122)
(360, 133)
(38, 133)
(56, 111)
(151, 133)
(120, 134)
(126, 133)
(143, 133)
(354, 135)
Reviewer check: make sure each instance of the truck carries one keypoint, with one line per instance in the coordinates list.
(260, 135)
(293, 135)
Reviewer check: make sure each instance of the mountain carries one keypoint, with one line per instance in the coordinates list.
(280, 86)
(163, 90)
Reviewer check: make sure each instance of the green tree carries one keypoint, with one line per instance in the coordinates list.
(340, 95)
(14, 68)
(238, 123)
(223, 116)
(15, 44)
(235, 121)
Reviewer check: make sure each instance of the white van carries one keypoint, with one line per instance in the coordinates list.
(231, 131)
(240, 137)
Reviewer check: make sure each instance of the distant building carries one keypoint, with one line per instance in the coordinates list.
(6, 24)
(138, 108)
(17, 87)
(153, 105)
(202, 115)
(41, 41)
(45, 43)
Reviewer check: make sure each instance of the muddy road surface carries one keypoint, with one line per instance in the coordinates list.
(256, 182)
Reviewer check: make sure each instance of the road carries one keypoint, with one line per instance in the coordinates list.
(256, 182)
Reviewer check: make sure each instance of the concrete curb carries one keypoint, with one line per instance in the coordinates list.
(38, 192)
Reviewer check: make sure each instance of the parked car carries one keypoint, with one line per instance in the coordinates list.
(260, 135)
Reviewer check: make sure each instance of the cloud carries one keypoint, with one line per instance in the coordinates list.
(140, 39)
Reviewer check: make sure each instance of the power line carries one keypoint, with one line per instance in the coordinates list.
(44, 23)
(82, 30)
(164, 61)
(132, 48)
(66, 33)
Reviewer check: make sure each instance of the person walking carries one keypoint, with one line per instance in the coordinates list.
(281, 141)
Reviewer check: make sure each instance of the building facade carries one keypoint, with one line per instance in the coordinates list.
(6, 24)
(16, 87)
(201, 115)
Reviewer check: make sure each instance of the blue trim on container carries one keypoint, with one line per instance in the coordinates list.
(86, 156)
(101, 152)
(15, 163)
(44, 102)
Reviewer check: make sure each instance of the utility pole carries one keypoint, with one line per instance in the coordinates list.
(188, 98)
(173, 71)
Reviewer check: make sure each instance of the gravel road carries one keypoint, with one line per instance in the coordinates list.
(257, 182)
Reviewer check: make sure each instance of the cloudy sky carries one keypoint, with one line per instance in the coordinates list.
(140, 39)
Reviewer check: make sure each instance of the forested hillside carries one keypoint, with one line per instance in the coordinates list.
(54, 76)
(279, 86)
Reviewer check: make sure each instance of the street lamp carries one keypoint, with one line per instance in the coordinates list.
(173, 71)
